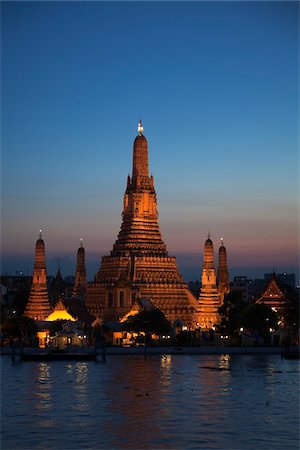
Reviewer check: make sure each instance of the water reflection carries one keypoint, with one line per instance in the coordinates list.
(80, 387)
(134, 398)
(224, 362)
(176, 402)
(43, 391)
(166, 368)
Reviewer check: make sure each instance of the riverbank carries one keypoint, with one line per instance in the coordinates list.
(209, 350)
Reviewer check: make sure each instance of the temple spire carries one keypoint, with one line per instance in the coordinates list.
(80, 274)
(209, 297)
(140, 127)
(38, 306)
(140, 157)
(223, 275)
(139, 264)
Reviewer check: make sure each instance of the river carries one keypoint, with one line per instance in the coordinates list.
(247, 402)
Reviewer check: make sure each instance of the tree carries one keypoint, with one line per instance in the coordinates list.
(153, 321)
(232, 312)
(291, 313)
(20, 327)
(260, 318)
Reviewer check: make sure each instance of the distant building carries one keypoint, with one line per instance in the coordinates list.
(240, 284)
(248, 288)
(274, 294)
(17, 290)
(284, 278)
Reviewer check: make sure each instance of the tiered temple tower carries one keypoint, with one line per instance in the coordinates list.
(209, 297)
(80, 274)
(223, 275)
(139, 264)
(38, 306)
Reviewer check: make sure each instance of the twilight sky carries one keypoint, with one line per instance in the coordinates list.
(216, 85)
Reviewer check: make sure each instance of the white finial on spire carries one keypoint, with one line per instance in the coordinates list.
(81, 240)
(222, 241)
(40, 234)
(140, 127)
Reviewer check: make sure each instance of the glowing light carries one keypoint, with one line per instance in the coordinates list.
(60, 315)
(140, 127)
(40, 234)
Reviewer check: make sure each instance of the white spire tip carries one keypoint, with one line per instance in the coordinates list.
(140, 127)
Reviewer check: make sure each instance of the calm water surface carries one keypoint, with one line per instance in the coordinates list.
(167, 402)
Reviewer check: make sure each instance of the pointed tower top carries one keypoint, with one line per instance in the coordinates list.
(40, 234)
(208, 241)
(140, 127)
(222, 254)
(81, 240)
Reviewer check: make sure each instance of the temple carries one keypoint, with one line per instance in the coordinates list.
(80, 274)
(209, 299)
(223, 275)
(138, 270)
(139, 265)
(274, 295)
(38, 306)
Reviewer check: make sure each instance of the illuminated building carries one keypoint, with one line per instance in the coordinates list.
(274, 295)
(209, 298)
(69, 310)
(284, 278)
(223, 275)
(38, 306)
(60, 312)
(139, 264)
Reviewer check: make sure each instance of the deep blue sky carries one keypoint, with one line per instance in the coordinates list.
(216, 85)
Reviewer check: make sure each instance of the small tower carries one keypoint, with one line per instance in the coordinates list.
(57, 287)
(209, 298)
(223, 275)
(80, 274)
(38, 306)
